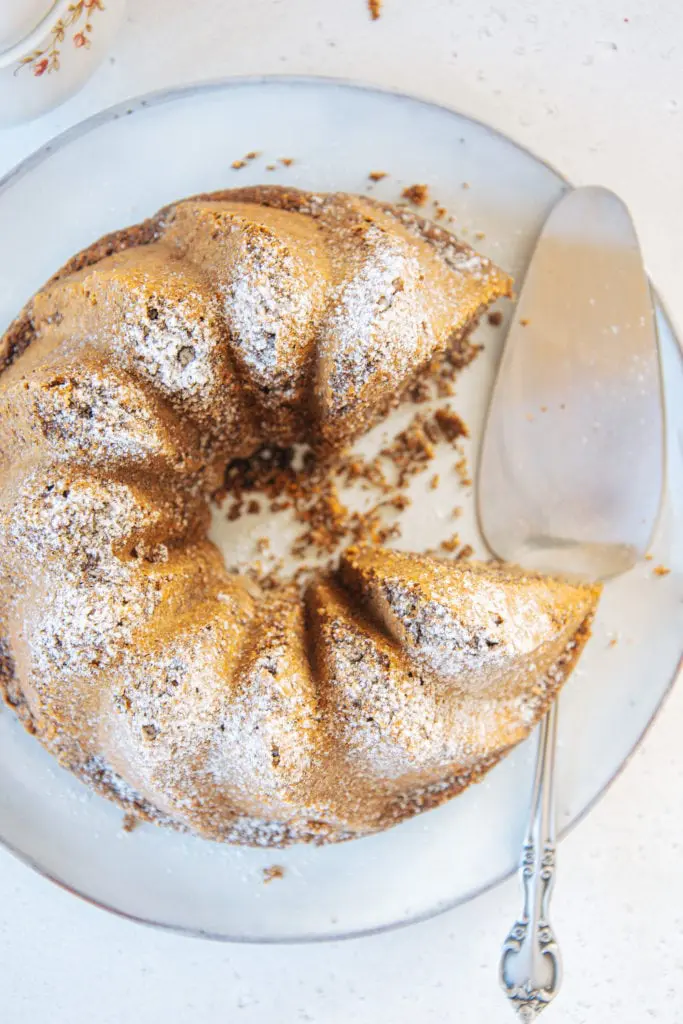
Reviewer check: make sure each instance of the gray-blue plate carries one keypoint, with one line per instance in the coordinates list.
(119, 167)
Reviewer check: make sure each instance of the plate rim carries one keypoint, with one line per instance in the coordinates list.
(159, 97)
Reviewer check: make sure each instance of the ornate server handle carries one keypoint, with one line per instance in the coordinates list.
(530, 966)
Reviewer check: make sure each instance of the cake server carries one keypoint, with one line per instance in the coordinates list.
(571, 475)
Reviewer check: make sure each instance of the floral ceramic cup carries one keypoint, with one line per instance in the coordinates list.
(53, 60)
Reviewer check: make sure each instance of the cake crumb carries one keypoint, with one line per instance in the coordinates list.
(461, 468)
(271, 167)
(450, 424)
(130, 822)
(416, 194)
(649, 557)
(413, 448)
(613, 642)
(273, 872)
(236, 164)
(434, 482)
(453, 546)
(524, 322)
(401, 502)
(375, 8)
(378, 175)
(286, 161)
(451, 543)
(465, 184)
(253, 508)
(445, 388)
(660, 570)
(495, 318)
(252, 154)
(479, 235)
(440, 212)
(457, 512)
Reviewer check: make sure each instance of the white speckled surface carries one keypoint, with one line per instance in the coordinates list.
(602, 99)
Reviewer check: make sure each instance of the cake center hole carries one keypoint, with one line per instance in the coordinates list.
(407, 483)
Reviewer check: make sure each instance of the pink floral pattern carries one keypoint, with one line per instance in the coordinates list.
(78, 16)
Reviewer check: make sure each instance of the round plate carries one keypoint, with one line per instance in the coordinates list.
(121, 166)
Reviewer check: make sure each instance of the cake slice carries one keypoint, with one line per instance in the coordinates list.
(487, 629)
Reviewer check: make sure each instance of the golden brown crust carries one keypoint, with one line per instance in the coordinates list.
(129, 650)
(20, 332)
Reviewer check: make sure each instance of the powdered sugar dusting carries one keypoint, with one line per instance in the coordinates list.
(269, 307)
(77, 521)
(377, 323)
(87, 409)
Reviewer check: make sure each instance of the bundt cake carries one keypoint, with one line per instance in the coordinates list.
(135, 656)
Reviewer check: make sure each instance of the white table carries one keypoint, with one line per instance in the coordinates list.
(598, 92)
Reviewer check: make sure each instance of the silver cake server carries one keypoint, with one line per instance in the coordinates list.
(571, 475)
